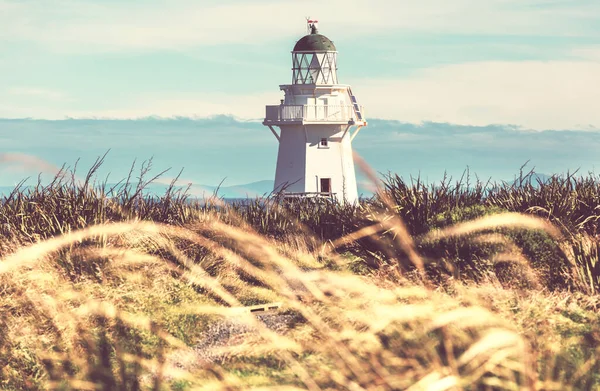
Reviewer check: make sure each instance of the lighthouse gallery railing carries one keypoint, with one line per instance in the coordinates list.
(310, 113)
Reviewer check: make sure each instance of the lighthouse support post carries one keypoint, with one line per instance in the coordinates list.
(355, 133)
(274, 133)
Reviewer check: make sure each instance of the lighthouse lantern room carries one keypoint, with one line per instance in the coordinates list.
(318, 120)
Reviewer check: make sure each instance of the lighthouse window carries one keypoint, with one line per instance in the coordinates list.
(324, 143)
(325, 185)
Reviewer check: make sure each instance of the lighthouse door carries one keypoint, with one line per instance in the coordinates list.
(325, 185)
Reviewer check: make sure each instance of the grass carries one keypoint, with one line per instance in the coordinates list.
(448, 287)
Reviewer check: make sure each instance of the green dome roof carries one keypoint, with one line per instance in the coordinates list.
(314, 43)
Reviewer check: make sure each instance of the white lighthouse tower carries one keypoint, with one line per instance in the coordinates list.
(318, 120)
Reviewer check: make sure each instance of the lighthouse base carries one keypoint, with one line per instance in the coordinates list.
(316, 161)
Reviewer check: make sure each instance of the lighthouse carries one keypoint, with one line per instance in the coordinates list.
(318, 119)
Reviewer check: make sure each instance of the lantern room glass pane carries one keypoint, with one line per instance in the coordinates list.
(304, 62)
(314, 68)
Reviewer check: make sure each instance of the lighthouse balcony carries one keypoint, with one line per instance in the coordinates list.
(309, 114)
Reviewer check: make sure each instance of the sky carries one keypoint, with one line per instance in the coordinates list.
(503, 67)
(221, 148)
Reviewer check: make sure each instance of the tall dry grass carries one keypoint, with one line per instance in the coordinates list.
(131, 292)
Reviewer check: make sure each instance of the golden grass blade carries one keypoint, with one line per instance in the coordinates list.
(435, 381)
(503, 220)
(357, 235)
(488, 346)
(28, 255)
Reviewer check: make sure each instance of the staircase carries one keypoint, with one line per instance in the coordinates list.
(359, 115)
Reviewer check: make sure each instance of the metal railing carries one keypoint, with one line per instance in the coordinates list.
(308, 193)
(323, 113)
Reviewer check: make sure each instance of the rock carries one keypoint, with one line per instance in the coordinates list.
(220, 334)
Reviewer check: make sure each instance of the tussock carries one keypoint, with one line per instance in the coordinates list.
(133, 292)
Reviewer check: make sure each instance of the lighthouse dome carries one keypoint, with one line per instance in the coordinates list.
(314, 43)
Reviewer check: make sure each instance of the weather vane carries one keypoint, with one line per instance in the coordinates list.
(311, 25)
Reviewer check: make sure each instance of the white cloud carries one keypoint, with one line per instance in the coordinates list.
(590, 53)
(243, 106)
(180, 105)
(30, 110)
(37, 93)
(21, 162)
(536, 95)
(86, 25)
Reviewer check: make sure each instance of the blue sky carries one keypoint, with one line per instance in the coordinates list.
(518, 64)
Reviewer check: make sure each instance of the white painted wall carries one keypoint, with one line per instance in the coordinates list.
(291, 160)
(333, 162)
(302, 161)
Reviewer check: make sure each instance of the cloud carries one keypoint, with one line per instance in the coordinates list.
(532, 94)
(21, 162)
(85, 25)
(251, 106)
(537, 95)
(37, 93)
(589, 53)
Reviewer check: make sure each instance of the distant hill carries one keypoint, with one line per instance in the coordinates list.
(259, 188)
(249, 190)
(5, 190)
(534, 178)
